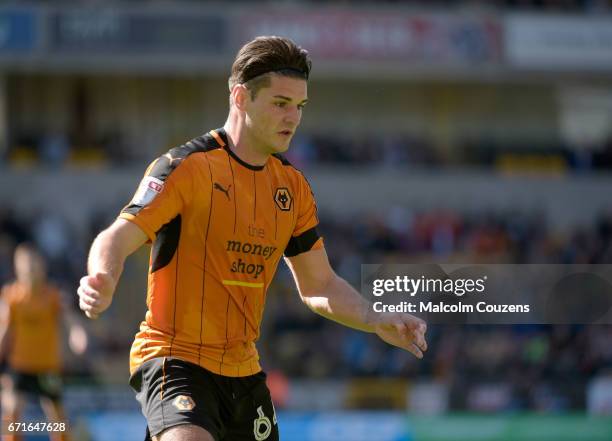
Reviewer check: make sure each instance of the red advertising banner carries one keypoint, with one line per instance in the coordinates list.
(389, 36)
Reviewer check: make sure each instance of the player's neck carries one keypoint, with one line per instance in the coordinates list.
(34, 287)
(242, 144)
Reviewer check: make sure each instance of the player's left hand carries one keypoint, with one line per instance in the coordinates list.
(402, 330)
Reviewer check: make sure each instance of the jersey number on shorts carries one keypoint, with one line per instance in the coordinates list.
(262, 427)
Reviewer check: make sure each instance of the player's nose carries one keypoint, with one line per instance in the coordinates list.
(292, 117)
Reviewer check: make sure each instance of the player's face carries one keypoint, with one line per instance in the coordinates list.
(275, 113)
(29, 266)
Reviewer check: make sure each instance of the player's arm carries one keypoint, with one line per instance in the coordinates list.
(5, 329)
(77, 335)
(329, 295)
(162, 192)
(105, 265)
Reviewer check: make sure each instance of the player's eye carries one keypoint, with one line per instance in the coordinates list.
(280, 104)
(301, 106)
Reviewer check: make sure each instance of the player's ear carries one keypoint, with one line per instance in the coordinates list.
(240, 95)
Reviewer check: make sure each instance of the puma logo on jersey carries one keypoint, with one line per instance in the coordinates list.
(218, 186)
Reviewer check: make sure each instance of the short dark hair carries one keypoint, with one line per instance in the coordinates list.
(268, 54)
(28, 247)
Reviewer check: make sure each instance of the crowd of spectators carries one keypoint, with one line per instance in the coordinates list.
(58, 150)
(402, 151)
(540, 366)
(543, 367)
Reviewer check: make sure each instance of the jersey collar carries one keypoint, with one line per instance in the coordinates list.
(220, 137)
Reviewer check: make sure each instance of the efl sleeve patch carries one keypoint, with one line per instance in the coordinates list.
(148, 189)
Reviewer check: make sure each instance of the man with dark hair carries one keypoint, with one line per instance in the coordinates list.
(221, 210)
(265, 55)
(31, 313)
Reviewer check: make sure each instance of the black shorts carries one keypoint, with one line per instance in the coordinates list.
(45, 385)
(172, 392)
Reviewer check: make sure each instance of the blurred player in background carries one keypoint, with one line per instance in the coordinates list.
(32, 313)
(221, 210)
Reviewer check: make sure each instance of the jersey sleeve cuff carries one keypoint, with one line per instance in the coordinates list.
(130, 217)
(306, 241)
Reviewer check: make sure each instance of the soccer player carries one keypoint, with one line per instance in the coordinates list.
(31, 313)
(221, 211)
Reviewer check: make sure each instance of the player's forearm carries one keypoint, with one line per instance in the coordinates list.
(4, 342)
(4, 328)
(112, 247)
(106, 255)
(105, 265)
(340, 302)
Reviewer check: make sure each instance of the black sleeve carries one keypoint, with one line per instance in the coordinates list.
(302, 243)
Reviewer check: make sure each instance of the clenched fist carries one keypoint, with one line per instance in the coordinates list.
(96, 294)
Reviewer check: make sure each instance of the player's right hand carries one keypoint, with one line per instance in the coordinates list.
(96, 294)
(402, 330)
